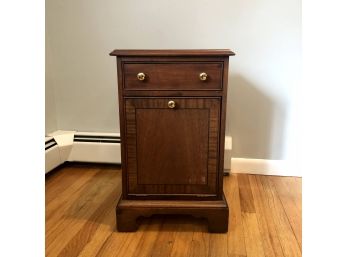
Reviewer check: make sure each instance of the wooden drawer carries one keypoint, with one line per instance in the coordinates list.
(173, 76)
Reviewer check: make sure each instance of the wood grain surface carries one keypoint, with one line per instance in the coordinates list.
(265, 219)
(158, 162)
(172, 151)
(172, 52)
(173, 75)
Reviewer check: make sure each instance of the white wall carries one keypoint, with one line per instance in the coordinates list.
(50, 108)
(266, 36)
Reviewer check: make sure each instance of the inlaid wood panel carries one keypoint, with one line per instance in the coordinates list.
(172, 151)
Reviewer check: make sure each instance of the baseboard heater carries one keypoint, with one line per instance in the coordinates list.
(86, 147)
(97, 139)
(52, 156)
(50, 143)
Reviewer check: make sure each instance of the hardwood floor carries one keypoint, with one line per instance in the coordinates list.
(265, 219)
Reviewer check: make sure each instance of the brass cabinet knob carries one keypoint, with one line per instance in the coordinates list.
(171, 104)
(141, 76)
(203, 76)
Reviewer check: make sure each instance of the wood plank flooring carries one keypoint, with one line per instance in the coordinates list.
(265, 219)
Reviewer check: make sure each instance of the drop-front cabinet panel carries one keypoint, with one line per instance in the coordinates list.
(172, 150)
(172, 106)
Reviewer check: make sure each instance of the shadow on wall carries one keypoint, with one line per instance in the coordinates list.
(256, 121)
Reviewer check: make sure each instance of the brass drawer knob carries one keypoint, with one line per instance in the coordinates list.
(141, 76)
(171, 104)
(203, 76)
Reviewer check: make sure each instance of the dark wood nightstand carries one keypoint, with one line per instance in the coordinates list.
(172, 106)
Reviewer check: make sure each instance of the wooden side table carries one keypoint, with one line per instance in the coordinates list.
(172, 106)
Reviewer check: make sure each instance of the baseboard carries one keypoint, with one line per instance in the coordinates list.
(95, 152)
(52, 158)
(264, 167)
(62, 146)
